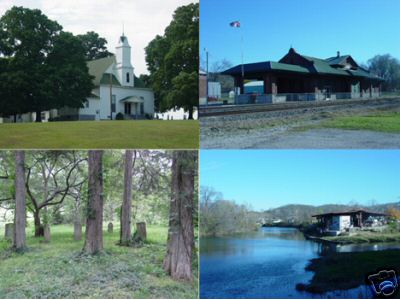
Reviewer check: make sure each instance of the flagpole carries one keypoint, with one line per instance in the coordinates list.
(206, 76)
(237, 24)
(241, 42)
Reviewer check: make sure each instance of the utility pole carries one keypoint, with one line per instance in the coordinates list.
(205, 49)
(110, 96)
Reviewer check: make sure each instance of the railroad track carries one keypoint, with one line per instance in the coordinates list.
(254, 108)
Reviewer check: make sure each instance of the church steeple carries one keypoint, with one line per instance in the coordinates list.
(124, 66)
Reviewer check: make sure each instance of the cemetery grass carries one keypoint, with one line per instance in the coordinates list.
(60, 270)
(139, 134)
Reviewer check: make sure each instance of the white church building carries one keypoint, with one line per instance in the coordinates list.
(117, 90)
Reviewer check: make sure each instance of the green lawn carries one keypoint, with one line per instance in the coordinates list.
(342, 271)
(145, 134)
(384, 122)
(59, 270)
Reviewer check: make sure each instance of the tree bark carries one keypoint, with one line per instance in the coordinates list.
(94, 215)
(19, 241)
(190, 117)
(126, 210)
(77, 229)
(46, 233)
(39, 230)
(38, 116)
(178, 260)
(78, 218)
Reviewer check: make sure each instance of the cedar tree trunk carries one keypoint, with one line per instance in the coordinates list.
(78, 220)
(19, 240)
(46, 233)
(39, 230)
(126, 210)
(77, 228)
(190, 117)
(178, 261)
(94, 215)
(38, 116)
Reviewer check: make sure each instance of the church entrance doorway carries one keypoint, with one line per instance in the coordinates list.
(127, 108)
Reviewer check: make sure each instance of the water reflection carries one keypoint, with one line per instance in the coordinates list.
(266, 264)
(329, 248)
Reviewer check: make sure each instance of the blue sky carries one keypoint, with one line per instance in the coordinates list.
(362, 28)
(269, 178)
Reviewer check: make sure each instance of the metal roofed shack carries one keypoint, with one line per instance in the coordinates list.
(337, 222)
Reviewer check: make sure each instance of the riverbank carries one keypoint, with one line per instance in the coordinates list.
(365, 237)
(359, 238)
(228, 233)
(334, 272)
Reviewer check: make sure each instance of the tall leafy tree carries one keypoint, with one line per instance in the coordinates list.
(68, 78)
(387, 67)
(126, 209)
(173, 60)
(50, 178)
(12, 101)
(45, 67)
(94, 45)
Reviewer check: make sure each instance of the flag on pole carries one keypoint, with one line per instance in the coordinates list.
(235, 24)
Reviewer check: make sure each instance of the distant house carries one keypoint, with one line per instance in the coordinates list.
(176, 114)
(214, 90)
(202, 87)
(208, 89)
(336, 222)
(254, 87)
(297, 77)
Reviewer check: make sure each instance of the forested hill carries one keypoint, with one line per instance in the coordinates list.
(297, 213)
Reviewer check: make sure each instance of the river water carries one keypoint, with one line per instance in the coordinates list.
(267, 264)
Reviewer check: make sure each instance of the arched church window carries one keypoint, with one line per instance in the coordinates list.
(127, 77)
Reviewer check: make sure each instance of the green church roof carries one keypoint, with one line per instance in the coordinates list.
(98, 67)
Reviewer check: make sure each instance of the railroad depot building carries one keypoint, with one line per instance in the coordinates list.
(336, 222)
(297, 77)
